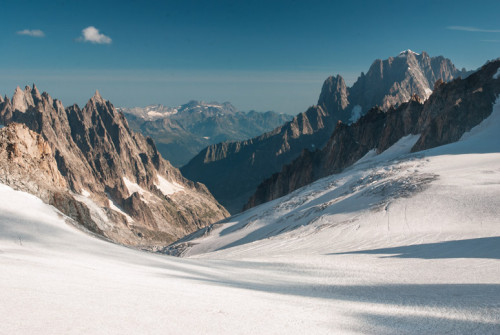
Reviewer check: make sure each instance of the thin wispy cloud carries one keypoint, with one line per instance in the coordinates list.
(31, 32)
(92, 35)
(473, 29)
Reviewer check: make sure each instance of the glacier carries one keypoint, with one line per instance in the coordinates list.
(400, 242)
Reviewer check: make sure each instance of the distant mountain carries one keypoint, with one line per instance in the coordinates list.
(453, 109)
(182, 132)
(232, 171)
(92, 167)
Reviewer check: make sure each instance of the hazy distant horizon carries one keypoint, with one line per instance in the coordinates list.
(246, 90)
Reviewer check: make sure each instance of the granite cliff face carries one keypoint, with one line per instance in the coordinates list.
(129, 193)
(393, 81)
(28, 164)
(181, 132)
(232, 171)
(453, 109)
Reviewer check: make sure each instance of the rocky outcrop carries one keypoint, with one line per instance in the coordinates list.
(182, 132)
(27, 159)
(453, 109)
(27, 164)
(393, 81)
(457, 106)
(232, 171)
(132, 194)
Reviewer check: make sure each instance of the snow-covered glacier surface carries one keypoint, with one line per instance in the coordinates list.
(398, 244)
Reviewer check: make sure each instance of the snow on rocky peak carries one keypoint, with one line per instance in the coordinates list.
(408, 52)
(150, 112)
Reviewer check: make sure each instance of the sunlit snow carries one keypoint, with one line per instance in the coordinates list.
(115, 207)
(133, 187)
(400, 243)
(428, 92)
(85, 193)
(408, 51)
(166, 187)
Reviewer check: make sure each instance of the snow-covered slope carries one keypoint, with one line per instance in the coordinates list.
(398, 244)
(55, 279)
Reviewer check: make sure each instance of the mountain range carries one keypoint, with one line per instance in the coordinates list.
(182, 132)
(91, 166)
(451, 110)
(232, 171)
(420, 169)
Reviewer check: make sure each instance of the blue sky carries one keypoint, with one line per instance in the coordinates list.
(263, 55)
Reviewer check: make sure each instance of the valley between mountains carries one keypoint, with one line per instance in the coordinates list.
(376, 211)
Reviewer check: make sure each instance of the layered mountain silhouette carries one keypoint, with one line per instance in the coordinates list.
(90, 165)
(452, 109)
(182, 132)
(232, 171)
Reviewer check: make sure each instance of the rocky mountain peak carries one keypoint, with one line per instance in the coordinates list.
(408, 52)
(23, 99)
(19, 100)
(97, 98)
(36, 93)
(129, 193)
(334, 94)
(393, 81)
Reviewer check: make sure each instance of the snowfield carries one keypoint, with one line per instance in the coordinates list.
(397, 244)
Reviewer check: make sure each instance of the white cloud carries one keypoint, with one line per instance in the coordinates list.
(473, 29)
(91, 34)
(31, 32)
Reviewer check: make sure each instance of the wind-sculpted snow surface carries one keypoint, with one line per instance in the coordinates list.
(398, 244)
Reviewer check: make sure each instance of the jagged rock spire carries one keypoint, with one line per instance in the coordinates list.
(334, 96)
(98, 98)
(35, 92)
(19, 100)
